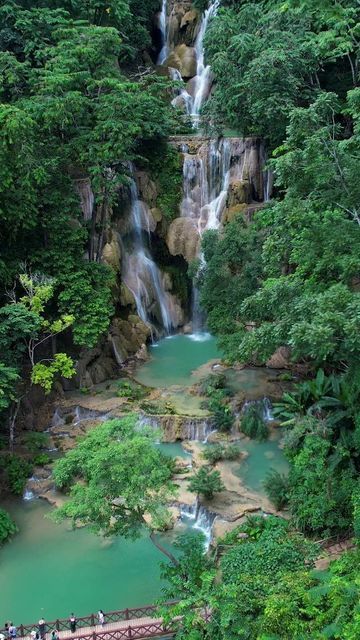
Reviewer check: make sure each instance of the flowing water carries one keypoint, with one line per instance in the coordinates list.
(140, 273)
(174, 359)
(203, 79)
(164, 30)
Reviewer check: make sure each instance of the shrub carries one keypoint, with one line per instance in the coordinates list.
(41, 459)
(217, 452)
(253, 423)
(130, 390)
(7, 526)
(17, 471)
(206, 482)
(35, 441)
(276, 486)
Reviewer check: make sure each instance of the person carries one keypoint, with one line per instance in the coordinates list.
(12, 631)
(42, 628)
(54, 635)
(33, 634)
(72, 621)
(101, 617)
(6, 629)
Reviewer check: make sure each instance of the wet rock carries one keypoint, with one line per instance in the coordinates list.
(147, 188)
(280, 359)
(239, 192)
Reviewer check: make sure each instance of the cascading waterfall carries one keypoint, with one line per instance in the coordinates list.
(140, 273)
(266, 408)
(203, 72)
(163, 25)
(200, 519)
(205, 187)
(181, 92)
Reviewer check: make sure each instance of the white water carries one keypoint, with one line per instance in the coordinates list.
(267, 409)
(203, 78)
(163, 26)
(200, 519)
(181, 92)
(140, 273)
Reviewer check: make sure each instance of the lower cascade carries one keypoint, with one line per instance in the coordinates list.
(201, 519)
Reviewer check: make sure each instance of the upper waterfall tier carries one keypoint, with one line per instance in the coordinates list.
(222, 178)
(183, 31)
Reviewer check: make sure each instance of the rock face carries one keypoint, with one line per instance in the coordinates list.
(127, 337)
(183, 58)
(183, 23)
(183, 238)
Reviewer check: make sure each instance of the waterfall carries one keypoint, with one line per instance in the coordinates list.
(200, 518)
(195, 429)
(140, 273)
(181, 92)
(163, 26)
(203, 72)
(206, 180)
(266, 406)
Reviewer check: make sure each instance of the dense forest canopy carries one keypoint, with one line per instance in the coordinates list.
(80, 100)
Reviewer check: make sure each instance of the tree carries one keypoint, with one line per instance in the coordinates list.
(119, 483)
(206, 482)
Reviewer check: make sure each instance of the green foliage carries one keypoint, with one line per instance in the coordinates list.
(166, 170)
(276, 486)
(206, 482)
(130, 390)
(41, 459)
(8, 378)
(8, 527)
(35, 441)
(115, 476)
(17, 470)
(44, 375)
(253, 423)
(216, 452)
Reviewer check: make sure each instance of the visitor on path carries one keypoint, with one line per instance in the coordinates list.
(72, 621)
(33, 634)
(12, 631)
(42, 628)
(101, 617)
(6, 629)
(54, 635)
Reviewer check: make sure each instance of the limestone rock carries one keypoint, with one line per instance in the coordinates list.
(111, 254)
(127, 337)
(239, 192)
(183, 58)
(183, 238)
(147, 188)
(280, 359)
(232, 212)
(157, 214)
(189, 26)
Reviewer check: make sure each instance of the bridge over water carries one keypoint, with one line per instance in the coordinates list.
(137, 623)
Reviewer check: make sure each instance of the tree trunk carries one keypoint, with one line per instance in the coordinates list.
(167, 553)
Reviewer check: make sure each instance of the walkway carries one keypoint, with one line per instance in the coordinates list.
(119, 625)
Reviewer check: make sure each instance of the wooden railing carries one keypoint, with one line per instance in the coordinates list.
(63, 624)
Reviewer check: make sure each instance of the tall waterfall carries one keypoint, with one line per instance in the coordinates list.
(203, 72)
(163, 25)
(206, 180)
(140, 273)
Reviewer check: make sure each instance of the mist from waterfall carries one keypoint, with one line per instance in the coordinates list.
(140, 273)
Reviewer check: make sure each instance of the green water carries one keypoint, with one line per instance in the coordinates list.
(173, 360)
(262, 457)
(48, 570)
(174, 450)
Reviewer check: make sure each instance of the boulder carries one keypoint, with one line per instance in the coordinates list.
(183, 58)
(147, 188)
(232, 212)
(280, 359)
(111, 254)
(183, 238)
(239, 192)
(189, 26)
